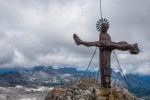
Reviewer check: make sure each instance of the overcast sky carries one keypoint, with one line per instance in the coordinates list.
(39, 32)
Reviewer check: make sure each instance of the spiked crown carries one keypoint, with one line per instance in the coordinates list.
(100, 22)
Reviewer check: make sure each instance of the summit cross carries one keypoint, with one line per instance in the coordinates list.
(105, 48)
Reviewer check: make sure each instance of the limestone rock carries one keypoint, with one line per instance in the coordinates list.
(87, 89)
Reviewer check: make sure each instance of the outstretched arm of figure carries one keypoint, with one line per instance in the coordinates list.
(124, 46)
(78, 41)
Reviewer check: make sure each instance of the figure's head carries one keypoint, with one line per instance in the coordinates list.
(102, 25)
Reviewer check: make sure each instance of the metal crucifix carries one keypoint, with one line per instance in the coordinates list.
(105, 48)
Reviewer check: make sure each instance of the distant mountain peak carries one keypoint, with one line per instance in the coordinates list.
(38, 68)
(68, 70)
(49, 67)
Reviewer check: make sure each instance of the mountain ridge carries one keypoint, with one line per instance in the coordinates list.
(48, 76)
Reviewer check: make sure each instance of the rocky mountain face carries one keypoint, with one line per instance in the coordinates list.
(135, 84)
(88, 89)
(38, 76)
(130, 80)
(48, 76)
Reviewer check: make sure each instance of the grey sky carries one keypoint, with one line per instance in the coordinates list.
(34, 32)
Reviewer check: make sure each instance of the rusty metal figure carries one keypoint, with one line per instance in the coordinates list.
(105, 48)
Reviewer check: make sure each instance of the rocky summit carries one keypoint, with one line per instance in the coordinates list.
(88, 89)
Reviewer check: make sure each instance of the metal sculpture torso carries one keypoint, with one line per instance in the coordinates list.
(105, 61)
(105, 47)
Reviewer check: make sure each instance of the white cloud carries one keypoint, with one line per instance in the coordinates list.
(19, 59)
(6, 53)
